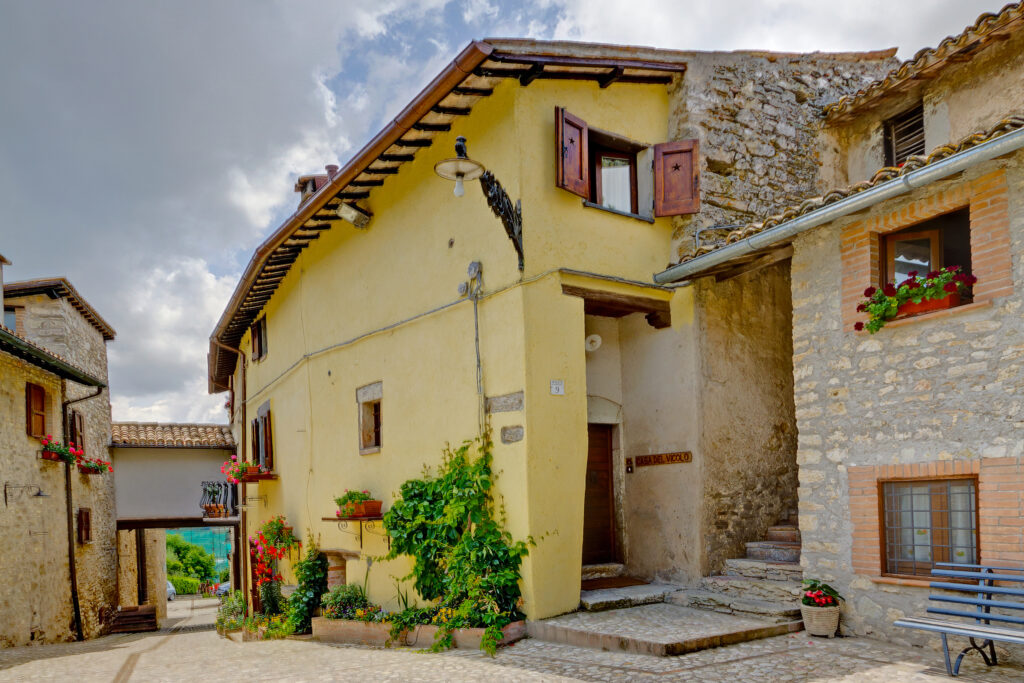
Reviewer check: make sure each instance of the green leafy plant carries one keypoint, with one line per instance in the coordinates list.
(408, 619)
(68, 454)
(231, 613)
(344, 601)
(189, 559)
(225, 575)
(882, 305)
(311, 574)
(818, 594)
(269, 627)
(463, 557)
(184, 585)
(271, 600)
(346, 502)
(278, 534)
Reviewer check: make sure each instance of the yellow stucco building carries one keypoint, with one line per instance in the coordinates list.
(388, 317)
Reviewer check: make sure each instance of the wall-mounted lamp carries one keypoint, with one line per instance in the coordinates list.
(461, 168)
(8, 486)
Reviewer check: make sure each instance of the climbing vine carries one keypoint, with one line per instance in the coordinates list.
(311, 574)
(463, 557)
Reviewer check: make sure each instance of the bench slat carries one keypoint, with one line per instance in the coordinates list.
(1007, 635)
(978, 575)
(977, 601)
(975, 588)
(988, 616)
(978, 566)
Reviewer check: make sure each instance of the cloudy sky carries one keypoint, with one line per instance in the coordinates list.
(147, 148)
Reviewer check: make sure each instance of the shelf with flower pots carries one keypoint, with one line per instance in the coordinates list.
(361, 527)
(239, 472)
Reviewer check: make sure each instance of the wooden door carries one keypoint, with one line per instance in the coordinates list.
(599, 501)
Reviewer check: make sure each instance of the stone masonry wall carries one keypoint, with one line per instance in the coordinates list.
(940, 389)
(747, 430)
(757, 116)
(56, 325)
(35, 601)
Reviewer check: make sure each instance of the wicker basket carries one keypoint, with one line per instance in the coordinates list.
(820, 621)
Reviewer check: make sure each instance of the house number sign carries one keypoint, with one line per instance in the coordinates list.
(664, 459)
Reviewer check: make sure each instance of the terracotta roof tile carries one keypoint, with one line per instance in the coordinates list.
(1006, 125)
(975, 38)
(170, 435)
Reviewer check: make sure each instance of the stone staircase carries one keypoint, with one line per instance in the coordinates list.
(133, 619)
(765, 584)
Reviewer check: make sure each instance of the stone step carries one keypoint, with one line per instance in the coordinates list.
(783, 532)
(774, 611)
(775, 551)
(626, 596)
(763, 569)
(660, 629)
(753, 589)
(607, 570)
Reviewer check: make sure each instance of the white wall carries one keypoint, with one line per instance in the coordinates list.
(159, 483)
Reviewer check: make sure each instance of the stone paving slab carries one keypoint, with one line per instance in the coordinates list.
(627, 596)
(659, 629)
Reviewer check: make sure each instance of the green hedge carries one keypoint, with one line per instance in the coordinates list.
(184, 585)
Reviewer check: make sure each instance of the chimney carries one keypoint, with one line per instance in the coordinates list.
(332, 170)
(3, 262)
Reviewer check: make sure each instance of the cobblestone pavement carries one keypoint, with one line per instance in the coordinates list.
(185, 653)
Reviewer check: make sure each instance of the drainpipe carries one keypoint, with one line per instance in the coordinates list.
(69, 505)
(242, 537)
(957, 163)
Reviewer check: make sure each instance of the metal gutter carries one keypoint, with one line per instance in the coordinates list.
(41, 358)
(1004, 144)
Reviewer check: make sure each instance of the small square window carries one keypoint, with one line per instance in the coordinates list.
(259, 338)
(933, 244)
(614, 177)
(369, 399)
(904, 136)
(928, 522)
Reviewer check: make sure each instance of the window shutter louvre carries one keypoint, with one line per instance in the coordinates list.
(78, 429)
(84, 525)
(35, 410)
(676, 178)
(268, 442)
(571, 153)
(255, 441)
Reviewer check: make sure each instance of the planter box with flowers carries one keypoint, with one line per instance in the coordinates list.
(938, 290)
(819, 608)
(237, 472)
(94, 466)
(55, 451)
(357, 505)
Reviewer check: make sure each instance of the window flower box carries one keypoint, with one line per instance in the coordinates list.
(53, 456)
(908, 309)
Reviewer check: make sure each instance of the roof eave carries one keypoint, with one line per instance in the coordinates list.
(30, 353)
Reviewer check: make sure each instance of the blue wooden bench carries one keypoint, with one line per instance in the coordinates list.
(977, 582)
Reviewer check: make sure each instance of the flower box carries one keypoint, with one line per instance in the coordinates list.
(371, 508)
(88, 470)
(351, 631)
(909, 308)
(50, 455)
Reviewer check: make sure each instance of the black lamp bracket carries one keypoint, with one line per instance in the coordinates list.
(511, 215)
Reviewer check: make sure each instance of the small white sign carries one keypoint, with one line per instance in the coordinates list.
(558, 387)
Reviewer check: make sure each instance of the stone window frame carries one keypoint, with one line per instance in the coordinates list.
(862, 242)
(370, 406)
(1000, 506)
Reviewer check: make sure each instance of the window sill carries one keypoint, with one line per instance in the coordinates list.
(369, 451)
(902, 581)
(899, 322)
(599, 207)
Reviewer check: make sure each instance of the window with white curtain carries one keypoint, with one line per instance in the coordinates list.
(929, 521)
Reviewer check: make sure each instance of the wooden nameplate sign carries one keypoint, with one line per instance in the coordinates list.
(664, 459)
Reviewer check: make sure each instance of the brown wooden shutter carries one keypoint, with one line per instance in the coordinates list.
(35, 410)
(78, 429)
(571, 153)
(255, 441)
(84, 525)
(254, 340)
(268, 442)
(676, 178)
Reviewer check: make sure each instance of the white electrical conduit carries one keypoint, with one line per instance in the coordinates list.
(938, 170)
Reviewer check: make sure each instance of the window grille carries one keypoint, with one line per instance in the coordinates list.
(928, 522)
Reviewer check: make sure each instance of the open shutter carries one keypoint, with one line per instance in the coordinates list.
(35, 410)
(676, 180)
(254, 340)
(268, 442)
(78, 429)
(255, 441)
(84, 525)
(571, 143)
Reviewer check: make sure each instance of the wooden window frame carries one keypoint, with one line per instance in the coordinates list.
(890, 239)
(84, 526)
(77, 423)
(258, 334)
(883, 537)
(890, 141)
(262, 450)
(31, 413)
(370, 417)
(599, 152)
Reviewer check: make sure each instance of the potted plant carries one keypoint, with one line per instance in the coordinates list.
(56, 451)
(819, 608)
(93, 465)
(233, 470)
(277, 534)
(357, 504)
(939, 289)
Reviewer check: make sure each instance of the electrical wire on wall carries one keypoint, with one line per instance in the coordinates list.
(474, 290)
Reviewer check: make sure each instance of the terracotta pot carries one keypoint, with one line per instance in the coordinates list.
(820, 621)
(50, 455)
(86, 470)
(252, 469)
(358, 509)
(371, 508)
(927, 305)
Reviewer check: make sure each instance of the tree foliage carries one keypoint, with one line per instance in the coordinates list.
(189, 559)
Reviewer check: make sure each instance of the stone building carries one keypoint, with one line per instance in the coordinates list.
(909, 440)
(59, 573)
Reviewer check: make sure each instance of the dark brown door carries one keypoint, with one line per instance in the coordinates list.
(598, 502)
